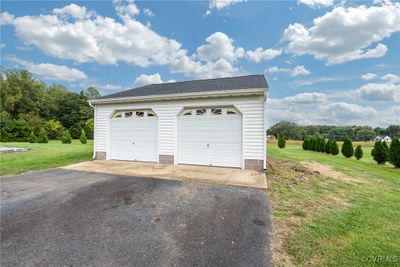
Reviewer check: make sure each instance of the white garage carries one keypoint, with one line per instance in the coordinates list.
(213, 122)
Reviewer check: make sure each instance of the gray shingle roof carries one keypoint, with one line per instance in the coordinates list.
(218, 84)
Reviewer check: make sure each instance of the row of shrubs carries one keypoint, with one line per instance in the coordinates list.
(65, 139)
(320, 145)
(381, 152)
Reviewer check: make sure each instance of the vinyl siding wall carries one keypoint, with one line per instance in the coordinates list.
(252, 109)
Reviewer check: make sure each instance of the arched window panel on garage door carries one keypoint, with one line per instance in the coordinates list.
(134, 114)
(210, 111)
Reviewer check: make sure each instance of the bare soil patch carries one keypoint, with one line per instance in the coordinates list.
(326, 170)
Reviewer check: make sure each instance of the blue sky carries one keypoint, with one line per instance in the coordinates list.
(326, 62)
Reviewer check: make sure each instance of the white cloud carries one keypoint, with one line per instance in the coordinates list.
(317, 3)
(219, 46)
(300, 70)
(221, 4)
(148, 12)
(74, 11)
(94, 38)
(261, 54)
(315, 109)
(344, 112)
(383, 92)
(346, 34)
(6, 18)
(393, 78)
(368, 76)
(2, 45)
(144, 79)
(126, 10)
(50, 71)
(296, 71)
(306, 98)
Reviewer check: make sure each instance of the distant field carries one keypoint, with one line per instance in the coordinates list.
(43, 156)
(348, 215)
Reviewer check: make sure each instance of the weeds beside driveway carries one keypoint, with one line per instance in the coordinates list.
(332, 211)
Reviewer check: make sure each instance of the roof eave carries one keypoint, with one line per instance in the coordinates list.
(225, 93)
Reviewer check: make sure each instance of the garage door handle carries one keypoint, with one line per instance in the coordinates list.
(208, 145)
(133, 143)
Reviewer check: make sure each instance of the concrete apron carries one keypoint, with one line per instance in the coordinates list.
(214, 175)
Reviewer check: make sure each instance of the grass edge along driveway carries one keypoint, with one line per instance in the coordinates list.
(350, 220)
(43, 156)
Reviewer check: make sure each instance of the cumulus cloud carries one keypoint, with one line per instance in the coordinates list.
(219, 46)
(50, 71)
(148, 12)
(144, 79)
(345, 34)
(368, 76)
(221, 4)
(296, 71)
(306, 98)
(261, 54)
(312, 108)
(317, 3)
(380, 92)
(74, 33)
(392, 78)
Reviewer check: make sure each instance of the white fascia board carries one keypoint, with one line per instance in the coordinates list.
(239, 92)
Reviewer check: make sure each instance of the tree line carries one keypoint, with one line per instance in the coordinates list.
(29, 105)
(293, 131)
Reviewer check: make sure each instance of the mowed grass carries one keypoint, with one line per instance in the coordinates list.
(346, 220)
(43, 156)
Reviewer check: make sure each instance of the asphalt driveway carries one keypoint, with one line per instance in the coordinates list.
(64, 217)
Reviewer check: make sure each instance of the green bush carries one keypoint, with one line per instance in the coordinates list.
(327, 148)
(83, 138)
(334, 148)
(54, 129)
(379, 153)
(281, 140)
(66, 137)
(43, 137)
(358, 153)
(347, 148)
(394, 152)
(304, 145)
(32, 138)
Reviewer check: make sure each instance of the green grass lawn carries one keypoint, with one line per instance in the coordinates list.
(43, 156)
(325, 221)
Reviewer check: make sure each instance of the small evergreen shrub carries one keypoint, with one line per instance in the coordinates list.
(322, 145)
(66, 137)
(281, 140)
(347, 148)
(379, 153)
(83, 138)
(304, 145)
(394, 152)
(327, 148)
(334, 148)
(32, 138)
(43, 137)
(358, 153)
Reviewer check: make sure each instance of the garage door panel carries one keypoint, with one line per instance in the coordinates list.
(210, 140)
(134, 139)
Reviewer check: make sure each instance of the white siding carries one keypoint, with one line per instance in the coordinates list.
(252, 109)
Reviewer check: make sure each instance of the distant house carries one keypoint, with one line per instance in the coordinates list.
(383, 138)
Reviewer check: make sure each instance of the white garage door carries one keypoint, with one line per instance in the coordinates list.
(210, 136)
(134, 136)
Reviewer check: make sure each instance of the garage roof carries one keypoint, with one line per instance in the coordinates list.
(208, 85)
